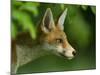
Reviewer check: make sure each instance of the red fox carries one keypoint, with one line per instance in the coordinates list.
(50, 39)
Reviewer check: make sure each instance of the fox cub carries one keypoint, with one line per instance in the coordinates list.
(50, 39)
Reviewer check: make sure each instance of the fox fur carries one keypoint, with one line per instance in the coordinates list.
(51, 38)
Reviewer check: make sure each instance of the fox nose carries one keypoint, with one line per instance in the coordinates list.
(74, 53)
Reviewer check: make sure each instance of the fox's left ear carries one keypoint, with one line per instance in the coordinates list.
(47, 22)
(61, 19)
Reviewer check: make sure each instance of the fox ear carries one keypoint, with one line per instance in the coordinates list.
(47, 22)
(62, 19)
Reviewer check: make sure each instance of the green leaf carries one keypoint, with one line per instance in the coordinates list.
(31, 8)
(62, 6)
(17, 3)
(84, 7)
(13, 31)
(93, 8)
(25, 21)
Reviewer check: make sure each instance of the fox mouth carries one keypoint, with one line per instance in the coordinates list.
(64, 56)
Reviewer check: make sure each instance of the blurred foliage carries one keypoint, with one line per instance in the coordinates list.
(22, 13)
(79, 27)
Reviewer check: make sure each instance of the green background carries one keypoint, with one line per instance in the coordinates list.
(79, 26)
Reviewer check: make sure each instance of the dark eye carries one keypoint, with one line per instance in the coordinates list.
(59, 40)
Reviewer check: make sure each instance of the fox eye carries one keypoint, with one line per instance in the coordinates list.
(59, 40)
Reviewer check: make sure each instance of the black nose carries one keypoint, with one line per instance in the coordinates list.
(74, 53)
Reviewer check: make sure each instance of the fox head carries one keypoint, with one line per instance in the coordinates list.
(53, 37)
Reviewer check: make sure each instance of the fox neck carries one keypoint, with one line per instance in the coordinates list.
(28, 50)
(26, 54)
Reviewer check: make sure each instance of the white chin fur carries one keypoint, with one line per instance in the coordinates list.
(69, 58)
